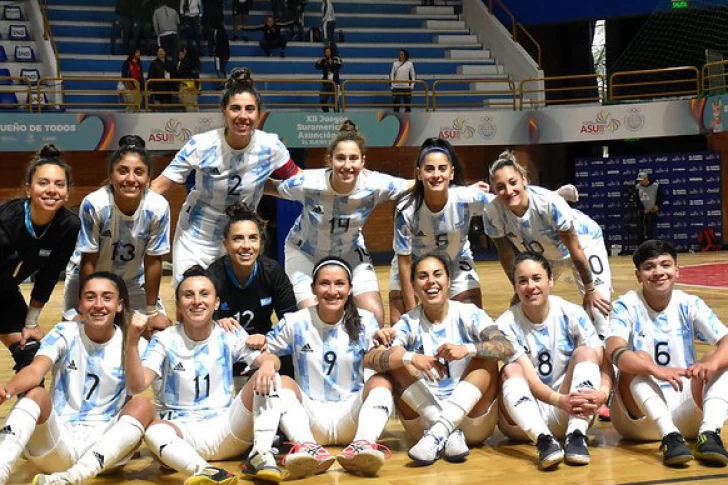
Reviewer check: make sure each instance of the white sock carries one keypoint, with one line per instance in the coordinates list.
(523, 409)
(374, 414)
(294, 420)
(462, 400)
(715, 405)
(648, 396)
(266, 416)
(15, 433)
(419, 397)
(586, 375)
(120, 440)
(172, 450)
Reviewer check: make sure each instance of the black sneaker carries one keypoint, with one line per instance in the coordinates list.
(674, 450)
(575, 449)
(550, 452)
(212, 475)
(710, 448)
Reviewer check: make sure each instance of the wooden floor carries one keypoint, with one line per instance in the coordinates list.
(499, 461)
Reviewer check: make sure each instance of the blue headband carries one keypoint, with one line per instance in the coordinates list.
(431, 149)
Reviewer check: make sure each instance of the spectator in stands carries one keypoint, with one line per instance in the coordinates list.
(272, 37)
(132, 69)
(166, 27)
(222, 51)
(329, 65)
(328, 24)
(161, 68)
(190, 11)
(212, 16)
(188, 69)
(401, 76)
(241, 8)
(296, 8)
(651, 197)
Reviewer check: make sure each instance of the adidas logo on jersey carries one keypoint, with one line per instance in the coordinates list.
(318, 210)
(106, 233)
(598, 281)
(179, 367)
(72, 365)
(510, 235)
(522, 400)
(100, 458)
(585, 385)
(306, 348)
(420, 234)
(215, 171)
(7, 430)
(420, 350)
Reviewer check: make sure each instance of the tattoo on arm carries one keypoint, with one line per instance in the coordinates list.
(493, 345)
(379, 360)
(617, 354)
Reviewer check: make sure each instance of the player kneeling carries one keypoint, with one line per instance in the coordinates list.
(553, 383)
(453, 407)
(201, 418)
(663, 392)
(86, 425)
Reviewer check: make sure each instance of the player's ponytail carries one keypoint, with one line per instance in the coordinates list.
(507, 159)
(351, 320)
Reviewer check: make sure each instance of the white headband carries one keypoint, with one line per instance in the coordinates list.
(332, 262)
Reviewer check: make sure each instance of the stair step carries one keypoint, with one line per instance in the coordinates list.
(467, 54)
(498, 86)
(480, 70)
(445, 24)
(456, 39)
(438, 10)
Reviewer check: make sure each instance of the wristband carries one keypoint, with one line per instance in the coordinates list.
(407, 358)
(471, 349)
(590, 288)
(31, 318)
(554, 399)
(152, 310)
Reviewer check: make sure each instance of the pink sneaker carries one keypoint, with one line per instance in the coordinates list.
(363, 458)
(604, 414)
(306, 459)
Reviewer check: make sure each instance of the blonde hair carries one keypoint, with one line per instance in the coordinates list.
(507, 159)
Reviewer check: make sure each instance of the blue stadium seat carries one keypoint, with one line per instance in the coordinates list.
(18, 32)
(12, 12)
(5, 73)
(32, 74)
(24, 53)
(3, 55)
(8, 101)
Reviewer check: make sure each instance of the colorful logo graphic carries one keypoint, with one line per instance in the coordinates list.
(459, 130)
(604, 121)
(172, 133)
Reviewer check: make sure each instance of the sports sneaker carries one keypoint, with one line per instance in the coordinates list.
(604, 413)
(212, 475)
(306, 459)
(363, 458)
(709, 448)
(456, 449)
(550, 452)
(674, 450)
(426, 451)
(575, 449)
(54, 479)
(261, 466)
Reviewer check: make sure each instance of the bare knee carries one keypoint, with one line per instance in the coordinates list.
(379, 380)
(511, 371)
(584, 353)
(140, 408)
(43, 399)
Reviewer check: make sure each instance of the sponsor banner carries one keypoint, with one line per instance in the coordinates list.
(170, 131)
(690, 183)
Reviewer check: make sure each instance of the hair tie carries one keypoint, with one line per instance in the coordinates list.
(332, 262)
(431, 149)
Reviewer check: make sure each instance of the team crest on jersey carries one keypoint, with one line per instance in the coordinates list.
(224, 306)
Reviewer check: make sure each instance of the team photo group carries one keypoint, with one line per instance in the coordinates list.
(334, 368)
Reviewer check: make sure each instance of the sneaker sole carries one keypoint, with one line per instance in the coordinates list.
(551, 461)
(362, 464)
(577, 459)
(459, 458)
(307, 466)
(421, 462)
(272, 475)
(201, 480)
(714, 458)
(678, 460)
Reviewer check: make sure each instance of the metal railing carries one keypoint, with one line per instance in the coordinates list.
(506, 97)
(16, 92)
(671, 82)
(55, 90)
(48, 35)
(516, 28)
(712, 82)
(591, 91)
(358, 93)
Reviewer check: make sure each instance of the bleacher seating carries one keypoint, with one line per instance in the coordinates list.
(8, 100)
(3, 55)
(5, 73)
(24, 53)
(18, 32)
(32, 74)
(12, 12)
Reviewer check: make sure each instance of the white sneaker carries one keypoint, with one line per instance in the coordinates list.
(307, 459)
(427, 450)
(54, 479)
(363, 458)
(456, 449)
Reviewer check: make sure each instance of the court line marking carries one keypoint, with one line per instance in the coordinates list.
(679, 480)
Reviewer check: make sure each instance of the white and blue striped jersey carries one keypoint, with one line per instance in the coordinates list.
(329, 366)
(88, 378)
(463, 325)
(550, 344)
(223, 176)
(331, 223)
(196, 377)
(419, 232)
(668, 336)
(538, 229)
(122, 241)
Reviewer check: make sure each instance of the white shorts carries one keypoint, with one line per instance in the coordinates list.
(66, 441)
(463, 276)
(137, 294)
(333, 422)
(476, 430)
(188, 251)
(299, 268)
(684, 412)
(213, 438)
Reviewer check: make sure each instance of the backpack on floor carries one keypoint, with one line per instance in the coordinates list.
(314, 34)
(708, 241)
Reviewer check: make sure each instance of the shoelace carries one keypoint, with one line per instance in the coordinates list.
(308, 447)
(361, 445)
